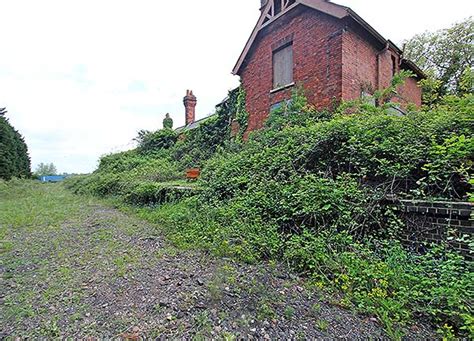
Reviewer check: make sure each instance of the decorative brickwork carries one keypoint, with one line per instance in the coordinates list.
(435, 222)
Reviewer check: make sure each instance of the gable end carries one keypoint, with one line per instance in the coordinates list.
(269, 15)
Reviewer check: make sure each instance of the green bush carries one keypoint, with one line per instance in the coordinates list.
(152, 193)
(148, 174)
(138, 179)
(149, 142)
(383, 151)
(390, 282)
(296, 112)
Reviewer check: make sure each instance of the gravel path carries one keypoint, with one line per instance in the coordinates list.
(106, 274)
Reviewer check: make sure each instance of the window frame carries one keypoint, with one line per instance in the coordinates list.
(275, 85)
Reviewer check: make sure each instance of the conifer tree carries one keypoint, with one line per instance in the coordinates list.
(14, 158)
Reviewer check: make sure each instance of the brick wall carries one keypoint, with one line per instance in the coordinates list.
(411, 92)
(435, 222)
(317, 51)
(366, 67)
(359, 65)
(333, 60)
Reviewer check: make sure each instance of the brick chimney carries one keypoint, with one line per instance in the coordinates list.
(190, 106)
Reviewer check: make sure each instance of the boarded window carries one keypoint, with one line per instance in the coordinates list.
(283, 66)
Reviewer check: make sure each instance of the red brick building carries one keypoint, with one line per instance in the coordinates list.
(327, 48)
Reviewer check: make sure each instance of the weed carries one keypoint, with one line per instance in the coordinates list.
(289, 312)
(223, 277)
(316, 309)
(301, 335)
(202, 322)
(158, 308)
(75, 317)
(265, 311)
(51, 329)
(123, 263)
(215, 290)
(447, 332)
(102, 235)
(322, 325)
(226, 336)
(166, 251)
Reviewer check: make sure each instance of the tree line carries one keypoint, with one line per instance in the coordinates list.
(14, 157)
(447, 58)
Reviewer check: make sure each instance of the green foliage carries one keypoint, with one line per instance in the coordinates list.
(295, 112)
(139, 179)
(431, 89)
(14, 158)
(148, 175)
(450, 165)
(445, 55)
(386, 95)
(381, 100)
(384, 151)
(466, 83)
(44, 169)
(387, 281)
(198, 145)
(167, 122)
(241, 115)
(149, 142)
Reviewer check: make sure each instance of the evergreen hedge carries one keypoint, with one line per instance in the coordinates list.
(14, 158)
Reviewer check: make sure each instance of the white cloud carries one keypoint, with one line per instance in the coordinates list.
(80, 78)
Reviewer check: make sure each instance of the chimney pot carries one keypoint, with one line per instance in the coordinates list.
(190, 102)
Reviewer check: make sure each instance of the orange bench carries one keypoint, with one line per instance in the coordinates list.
(193, 173)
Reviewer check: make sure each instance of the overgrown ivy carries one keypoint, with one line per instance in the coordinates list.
(241, 114)
(193, 147)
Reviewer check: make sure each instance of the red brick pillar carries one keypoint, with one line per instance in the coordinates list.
(190, 102)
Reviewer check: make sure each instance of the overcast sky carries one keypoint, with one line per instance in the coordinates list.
(80, 77)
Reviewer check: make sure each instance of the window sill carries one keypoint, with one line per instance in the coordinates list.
(284, 87)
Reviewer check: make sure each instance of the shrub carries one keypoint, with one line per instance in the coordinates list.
(149, 142)
(381, 150)
(389, 282)
(131, 176)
